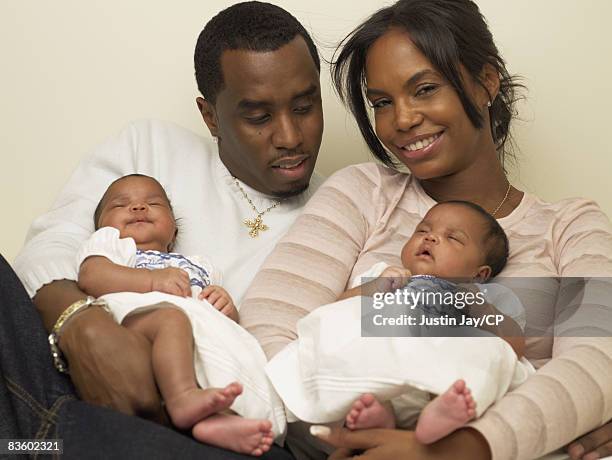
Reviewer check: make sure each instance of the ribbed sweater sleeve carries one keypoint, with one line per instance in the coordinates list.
(312, 263)
(570, 395)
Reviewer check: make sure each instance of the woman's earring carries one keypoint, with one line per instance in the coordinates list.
(489, 104)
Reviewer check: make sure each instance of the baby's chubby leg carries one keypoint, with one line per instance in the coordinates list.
(170, 333)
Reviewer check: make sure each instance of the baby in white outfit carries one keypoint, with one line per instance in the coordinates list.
(131, 253)
(387, 381)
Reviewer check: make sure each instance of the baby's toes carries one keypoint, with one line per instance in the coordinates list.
(459, 386)
(366, 400)
(358, 406)
(471, 408)
(232, 390)
(265, 427)
(266, 443)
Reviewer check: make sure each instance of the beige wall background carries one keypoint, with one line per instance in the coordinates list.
(74, 72)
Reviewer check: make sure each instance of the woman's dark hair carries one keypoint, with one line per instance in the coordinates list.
(450, 33)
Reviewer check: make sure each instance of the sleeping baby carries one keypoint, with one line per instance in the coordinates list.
(384, 382)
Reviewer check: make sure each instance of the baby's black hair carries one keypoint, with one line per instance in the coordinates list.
(102, 202)
(98, 211)
(495, 239)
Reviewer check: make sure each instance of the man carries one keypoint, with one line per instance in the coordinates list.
(258, 71)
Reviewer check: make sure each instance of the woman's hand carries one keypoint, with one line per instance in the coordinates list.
(110, 365)
(384, 444)
(596, 444)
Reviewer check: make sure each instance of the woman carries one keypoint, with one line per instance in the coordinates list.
(442, 101)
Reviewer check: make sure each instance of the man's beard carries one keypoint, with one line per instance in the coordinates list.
(301, 188)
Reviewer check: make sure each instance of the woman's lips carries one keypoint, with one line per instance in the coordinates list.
(423, 152)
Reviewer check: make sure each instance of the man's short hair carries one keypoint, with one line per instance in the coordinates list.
(251, 26)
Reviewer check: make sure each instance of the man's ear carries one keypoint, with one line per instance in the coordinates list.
(484, 273)
(489, 79)
(209, 115)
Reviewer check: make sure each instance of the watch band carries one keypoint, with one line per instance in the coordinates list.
(58, 359)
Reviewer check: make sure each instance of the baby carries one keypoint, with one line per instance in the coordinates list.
(131, 252)
(460, 242)
(332, 372)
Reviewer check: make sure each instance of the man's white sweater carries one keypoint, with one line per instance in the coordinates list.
(209, 206)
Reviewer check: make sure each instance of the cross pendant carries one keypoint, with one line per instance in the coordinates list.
(255, 226)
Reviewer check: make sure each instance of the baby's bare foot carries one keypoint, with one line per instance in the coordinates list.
(446, 413)
(242, 435)
(191, 406)
(367, 412)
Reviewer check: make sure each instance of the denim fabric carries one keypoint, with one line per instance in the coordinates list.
(37, 402)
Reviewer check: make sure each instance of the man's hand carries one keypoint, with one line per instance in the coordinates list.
(596, 444)
(383, 444)
(171, 280)
(110, 365)
(221, 300)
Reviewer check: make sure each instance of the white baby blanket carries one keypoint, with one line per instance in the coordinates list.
(223, 353)
(322, 373)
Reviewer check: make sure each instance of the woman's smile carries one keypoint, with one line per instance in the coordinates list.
(418, 114)
(420, 148)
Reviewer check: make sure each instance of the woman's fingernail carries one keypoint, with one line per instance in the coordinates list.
(320, 430)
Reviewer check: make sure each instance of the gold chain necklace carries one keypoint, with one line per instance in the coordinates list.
(256, 225)
(502, 201)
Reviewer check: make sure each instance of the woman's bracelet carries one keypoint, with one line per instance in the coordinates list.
(58, 359)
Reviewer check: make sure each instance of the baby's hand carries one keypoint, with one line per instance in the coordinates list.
(171, 280)
(393, 278)
(221, 300)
